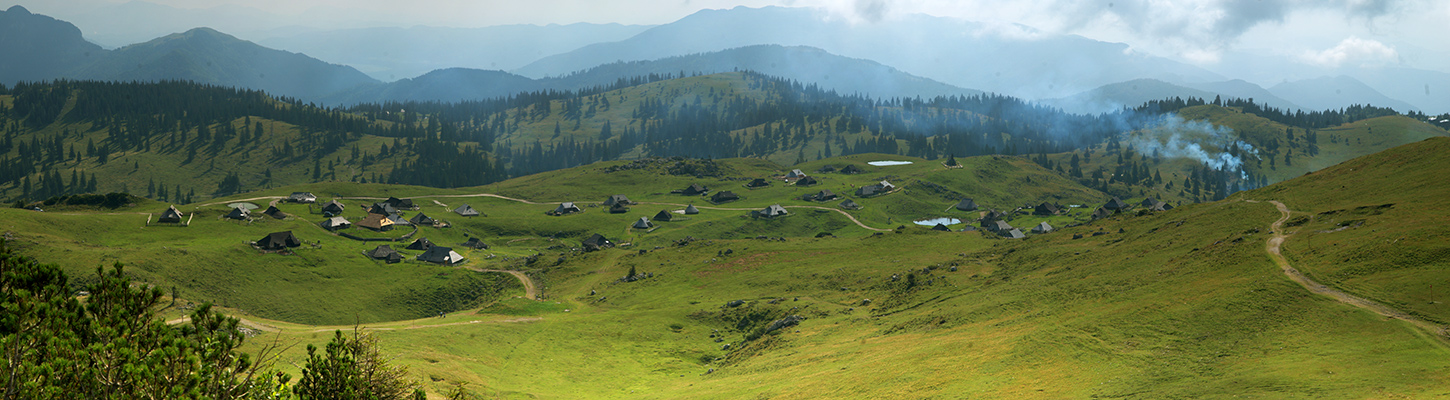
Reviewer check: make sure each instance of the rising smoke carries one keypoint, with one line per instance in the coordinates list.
(1170, 136)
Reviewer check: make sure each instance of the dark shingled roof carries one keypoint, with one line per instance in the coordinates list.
(278, 241)
(385, 252)
(596, 242)
(941, 227)
(1116, 204)
(567, 208)
(694, 190)
(691, 210)
(724, 196)
(274, 212)
(1042, 228)
(170, 215)
(618, 208)
(806, 181)
(422, 219)
(383, 208)
(474, 243)
(1101, 213)
(1046, 209)
(850, 205)
(441, 255)
(617, 199)
(466, 210)
(967, 205)
(399, 203)
(333, 207)
(850, 169)
(774, 210)
(420, 244)
(664, 215)
(643, 223)
(238, 213)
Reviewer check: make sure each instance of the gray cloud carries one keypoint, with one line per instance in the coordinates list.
(871, 10)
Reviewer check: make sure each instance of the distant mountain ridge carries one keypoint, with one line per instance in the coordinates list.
(1112, 97)
(204, 55)
(804, 64)
(1336, 92)
(390, 54)
(956, 52)
(34, 47)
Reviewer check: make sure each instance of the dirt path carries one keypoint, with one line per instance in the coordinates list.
(848, 215)
(1273, 248)
(385, 326)
(530, 292)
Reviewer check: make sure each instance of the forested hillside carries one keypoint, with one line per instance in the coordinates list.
(179, 142)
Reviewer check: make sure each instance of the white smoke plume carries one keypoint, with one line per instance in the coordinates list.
(1173, 137)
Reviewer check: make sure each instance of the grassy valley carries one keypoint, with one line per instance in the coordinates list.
(1182, 303)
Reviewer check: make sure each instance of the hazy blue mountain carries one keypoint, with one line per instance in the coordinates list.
(1116, 96)
(804, 64)
(206, 56)
(35, 47)
(1133, 93)
(1335, 93)
(114, 24)
(394, 53)
(1013, 60)
(1427, 90)
(444, 85)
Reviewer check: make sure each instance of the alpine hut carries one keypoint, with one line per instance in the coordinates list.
(850, 205)
(1116, 204)
(332, 208)
(420, 244)
(806, 181)
(401, 204)
(758, 183)
(618, 199)
(941, 227)
(466, 210)
(1101, 213)
(377, 222)
(597, 242)
(824, 195)
(691, 210)
(398, 220)
(998, 226)
(851, 169)
(238, 214)
(826, 169)
(335, 223)
(618, 208)
(441, 255)
(694, 190)
(1042, 228)
(795, 174)
(567, 207)
(724, 196)
(643, 223)
(664, 215)
(302, 197)
(474, 243)
(278, 241)
(774, 210)
(967, 205)
(274, 212)
(1013, 233)
(386, 253)
(382, 208)
(1046, 209)
(170, 216)
(422, 220)
(1148, 202)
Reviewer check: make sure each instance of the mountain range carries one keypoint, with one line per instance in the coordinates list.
(886, 59)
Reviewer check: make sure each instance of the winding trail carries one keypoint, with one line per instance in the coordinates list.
(1276, 241)
(530, 292)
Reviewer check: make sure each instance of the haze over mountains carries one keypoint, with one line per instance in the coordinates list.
(915, 55)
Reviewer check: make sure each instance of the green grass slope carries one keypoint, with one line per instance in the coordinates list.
(1375, 226)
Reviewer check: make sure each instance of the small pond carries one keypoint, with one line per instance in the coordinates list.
(243, 205)
(934, 221)
(888, 163)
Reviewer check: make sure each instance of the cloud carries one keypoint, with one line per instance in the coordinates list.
(871, 10)
(1354, 51)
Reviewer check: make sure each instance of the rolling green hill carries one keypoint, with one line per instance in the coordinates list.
(1183, 303)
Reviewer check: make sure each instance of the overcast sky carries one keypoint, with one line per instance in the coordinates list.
(1327, 33)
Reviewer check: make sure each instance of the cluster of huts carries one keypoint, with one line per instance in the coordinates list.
(995, 221)
(430, 252)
